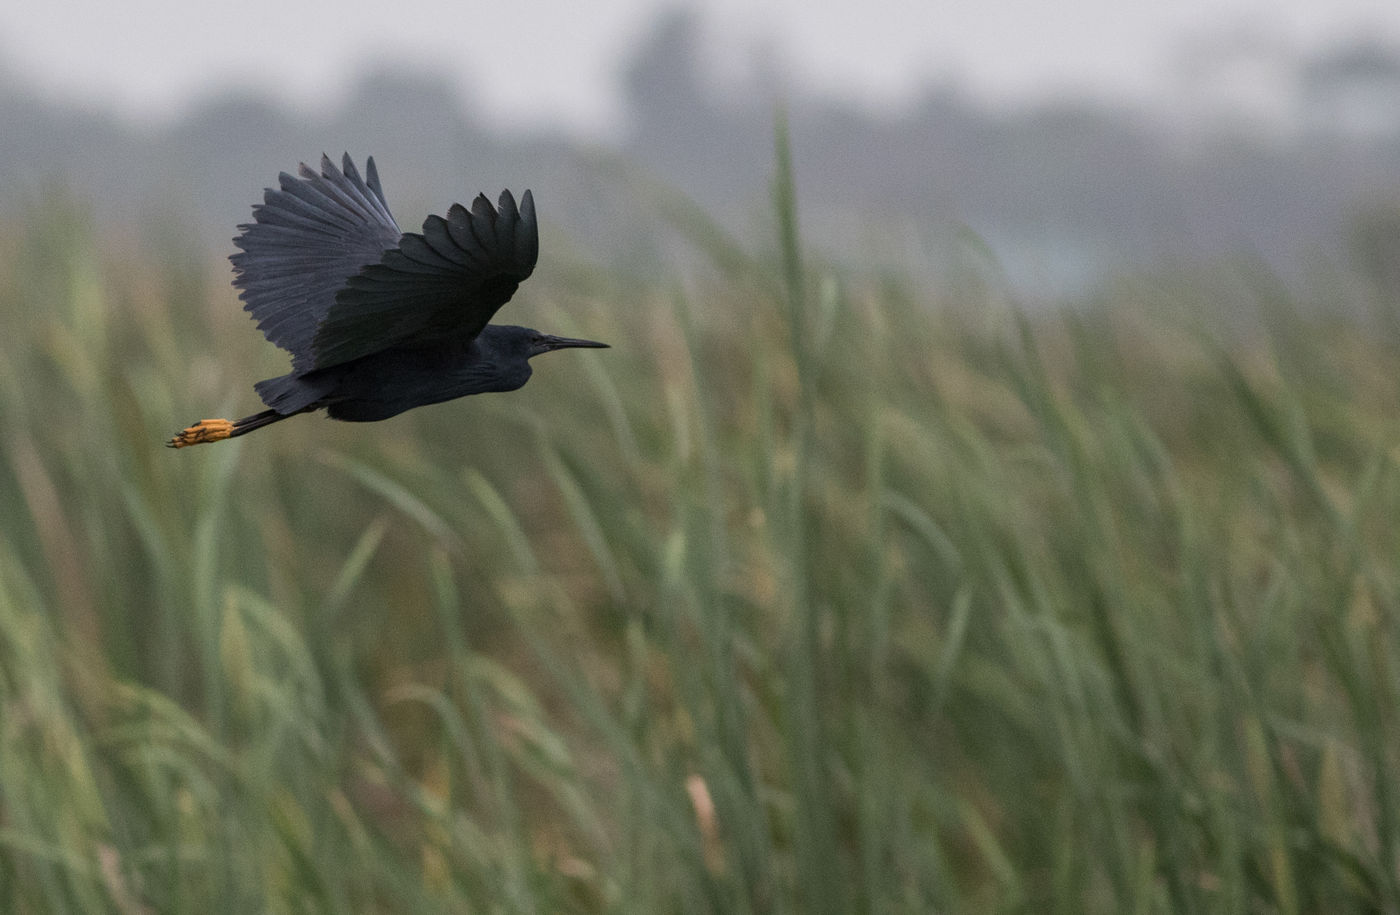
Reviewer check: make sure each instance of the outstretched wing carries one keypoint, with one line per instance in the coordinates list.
(306, 240)
(443, 284)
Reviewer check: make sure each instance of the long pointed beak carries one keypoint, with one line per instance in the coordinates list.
(550, 342)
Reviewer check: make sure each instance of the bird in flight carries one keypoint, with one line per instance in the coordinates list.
(380, 321)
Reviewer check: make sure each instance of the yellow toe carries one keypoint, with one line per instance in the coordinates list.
(206, 430)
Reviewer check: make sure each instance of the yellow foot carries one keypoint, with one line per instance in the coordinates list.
(206, 430)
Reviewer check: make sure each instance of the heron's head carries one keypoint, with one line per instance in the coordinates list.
(510, 342)
(533, 343)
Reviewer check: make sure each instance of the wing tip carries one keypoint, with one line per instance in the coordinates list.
(527, 233)
(372, 177)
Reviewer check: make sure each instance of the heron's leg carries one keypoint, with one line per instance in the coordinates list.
(214, 430)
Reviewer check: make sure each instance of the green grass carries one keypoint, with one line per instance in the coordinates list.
(817, 593)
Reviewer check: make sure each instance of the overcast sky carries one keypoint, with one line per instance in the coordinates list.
(539, 62)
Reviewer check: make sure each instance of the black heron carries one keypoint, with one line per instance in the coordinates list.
(380, 321)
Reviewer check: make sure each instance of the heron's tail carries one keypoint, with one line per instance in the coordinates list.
(214, 430)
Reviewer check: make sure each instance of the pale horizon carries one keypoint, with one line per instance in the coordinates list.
(550, 64)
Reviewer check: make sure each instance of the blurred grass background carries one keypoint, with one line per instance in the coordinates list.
(820, 592)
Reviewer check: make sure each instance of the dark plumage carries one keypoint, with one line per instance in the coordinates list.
(380, 321)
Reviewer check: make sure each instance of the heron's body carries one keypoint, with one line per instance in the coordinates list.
(355, 390)
(378, 321)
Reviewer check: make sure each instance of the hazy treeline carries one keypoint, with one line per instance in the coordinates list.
(1060, 192)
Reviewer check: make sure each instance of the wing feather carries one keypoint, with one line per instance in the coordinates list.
(307, 238)
(436, 234)
(329, 277)
(459, 225)
(506, 223)
(527, 241)
(483, 222)
(445, 283)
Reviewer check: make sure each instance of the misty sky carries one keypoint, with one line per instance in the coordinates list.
(554, 62)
